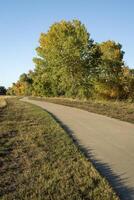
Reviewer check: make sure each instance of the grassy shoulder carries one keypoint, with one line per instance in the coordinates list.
(2, 102)
(38, 160)
(115, 109)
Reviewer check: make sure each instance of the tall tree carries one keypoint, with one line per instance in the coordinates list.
(109, 83)
(69, 57)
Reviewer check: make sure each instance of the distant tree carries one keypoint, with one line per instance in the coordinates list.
(109, 83)
(132, 72)
(3, 90)
(23, 86)
(128, 82)
(25, 83)
(10, 91)
(68, 58)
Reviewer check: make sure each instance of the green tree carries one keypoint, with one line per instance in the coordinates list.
(128, 82)
(69, 59)
(3, 90)
(26, 82)
(41, 79)
(24, 86)
(109, 83)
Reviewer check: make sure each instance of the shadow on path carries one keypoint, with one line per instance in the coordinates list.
(118, 184)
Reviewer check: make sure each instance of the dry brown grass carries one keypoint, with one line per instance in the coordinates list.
(3, 102)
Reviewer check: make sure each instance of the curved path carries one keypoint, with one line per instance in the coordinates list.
(108, 142)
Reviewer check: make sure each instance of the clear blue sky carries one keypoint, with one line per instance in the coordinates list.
(22, 21)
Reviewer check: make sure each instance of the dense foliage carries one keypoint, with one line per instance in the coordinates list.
(3, 90)
(70, 64)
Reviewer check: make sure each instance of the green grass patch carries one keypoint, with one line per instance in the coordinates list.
(115, 109)
(39, 161)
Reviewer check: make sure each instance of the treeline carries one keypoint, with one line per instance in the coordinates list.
(70, 64)
(3, 90)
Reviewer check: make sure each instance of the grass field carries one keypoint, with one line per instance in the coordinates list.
(115, 109)
(39, 161)
(2, 102)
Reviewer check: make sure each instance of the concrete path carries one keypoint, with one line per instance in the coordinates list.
(108, 142)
